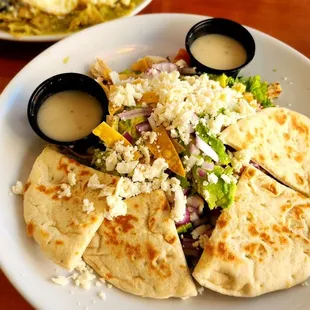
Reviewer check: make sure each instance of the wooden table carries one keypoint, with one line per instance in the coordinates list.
(269, 16)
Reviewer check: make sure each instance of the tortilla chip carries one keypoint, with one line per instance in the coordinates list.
(279, 140)
(59, 225)
(164, 148)
(140, 253)
(261, 244)
(109, 135)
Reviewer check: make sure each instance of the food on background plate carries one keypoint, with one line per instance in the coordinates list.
(140, 253)
(261, 244)
(164, 144)
(43, 17)
(279, 140)
(61, 209)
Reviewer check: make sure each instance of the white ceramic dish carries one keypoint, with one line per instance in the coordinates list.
(56, 37)
(160, 34)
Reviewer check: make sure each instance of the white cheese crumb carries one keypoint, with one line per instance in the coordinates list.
(106, 191)
(88, 206)
(102, 295)
(98, 283)
(102, 280)
(94, 183)
(150, 136)
(178, 211)
(85, 275)
(71, 292)
(240, 159)
(18, 188)
(126, 168)
(60, 280)
(71, 179)
(212, 178)
(304, 283)
(226, 178)
(66, 191)
(109, 285)
(111, 161)
(117, 207)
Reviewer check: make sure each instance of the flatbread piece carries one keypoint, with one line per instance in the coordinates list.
(261, 244)
(59, 225)
(140, 253)
(280, 143)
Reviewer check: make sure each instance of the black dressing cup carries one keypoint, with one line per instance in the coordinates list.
(60, 83)
(224, 27)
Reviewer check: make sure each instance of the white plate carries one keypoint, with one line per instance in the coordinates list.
(56, 37)
(119, 43)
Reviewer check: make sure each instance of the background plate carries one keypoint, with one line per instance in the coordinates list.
(158, 34)
(56, 37)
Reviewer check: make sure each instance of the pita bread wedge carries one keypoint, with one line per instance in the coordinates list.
(261, 244)
(59, 224)
(280, 142)
(140, 253)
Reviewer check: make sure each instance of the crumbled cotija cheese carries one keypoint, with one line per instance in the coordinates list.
(241, 158)
(60, 280)
(94, 183)
(212, 178)
(66, 191)
(18, 188)
(102, 295)
(71, 179)
(226, 178)
(199, 231)
(178, 211)
(126, 168)
(88, 206)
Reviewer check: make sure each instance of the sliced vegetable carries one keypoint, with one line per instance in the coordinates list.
(184, 228)
(182, 54)
(216, 194)
(162, 147)
(185, 220)
(207, 166)
(216, 144)
(146, 63)
(206, 149)
(152, 122)
(109, 135)
(129, 126)
(259, 89)
(193, 149)
(165, 67)
(145, 126)
(128, 137)
(140, 112)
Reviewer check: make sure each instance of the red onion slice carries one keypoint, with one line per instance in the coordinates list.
(165, 66)
(193, 149)
(152, 122)
(206, 149)
(128, 137)
(145, 126)
(135, 113)
(185, 220)
(201, 172)
(207, 166)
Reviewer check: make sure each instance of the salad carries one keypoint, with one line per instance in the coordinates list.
(162, 132)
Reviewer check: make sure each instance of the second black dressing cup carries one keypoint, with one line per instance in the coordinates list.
(224, 27)
(60, 83)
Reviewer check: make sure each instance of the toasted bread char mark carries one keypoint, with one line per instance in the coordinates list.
(30, 229)
(299, 126)
(271, 187)
(281, 117)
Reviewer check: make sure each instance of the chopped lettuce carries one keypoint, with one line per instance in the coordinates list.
(223, 79)
(184, 228)
(129, 126)
(258, 88)
(219, 194)
(216, 144)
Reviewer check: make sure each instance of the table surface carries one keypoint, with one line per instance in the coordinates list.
(265, 15)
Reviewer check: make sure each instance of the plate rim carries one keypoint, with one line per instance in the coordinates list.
(57, 37)
(7, 271)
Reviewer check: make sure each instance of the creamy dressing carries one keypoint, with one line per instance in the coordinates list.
(69, 116)
(218, 51)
